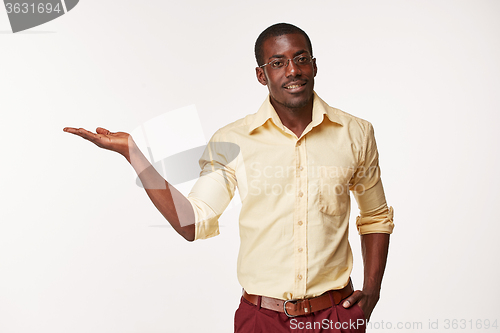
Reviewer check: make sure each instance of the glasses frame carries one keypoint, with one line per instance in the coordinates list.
(288, 61)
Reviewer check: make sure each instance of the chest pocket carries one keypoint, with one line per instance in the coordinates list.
(334, 189)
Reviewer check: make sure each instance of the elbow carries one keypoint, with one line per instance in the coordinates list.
(188, 233)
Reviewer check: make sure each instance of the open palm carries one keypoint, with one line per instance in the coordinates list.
(118, 142)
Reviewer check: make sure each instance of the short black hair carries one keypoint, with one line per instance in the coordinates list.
(276, 30)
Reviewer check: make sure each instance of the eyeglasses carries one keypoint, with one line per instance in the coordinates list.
(300, 60)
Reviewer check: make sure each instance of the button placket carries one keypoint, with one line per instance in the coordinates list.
(300, 225)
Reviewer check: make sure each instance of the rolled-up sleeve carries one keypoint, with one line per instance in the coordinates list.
(375, 216)
(215, 188)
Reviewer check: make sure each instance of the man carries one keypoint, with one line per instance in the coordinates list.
(294, 162)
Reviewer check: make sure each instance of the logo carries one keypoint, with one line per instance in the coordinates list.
(26, 14)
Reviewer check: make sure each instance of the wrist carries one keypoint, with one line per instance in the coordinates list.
(371, 290)
(133, 151)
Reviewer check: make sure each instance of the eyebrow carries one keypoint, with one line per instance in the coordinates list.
(282, 55)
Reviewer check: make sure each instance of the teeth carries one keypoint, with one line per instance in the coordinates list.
(294, 86)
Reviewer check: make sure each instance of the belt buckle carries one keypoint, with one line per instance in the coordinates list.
(284, 307)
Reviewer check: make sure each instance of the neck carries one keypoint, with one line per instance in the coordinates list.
(295, 119)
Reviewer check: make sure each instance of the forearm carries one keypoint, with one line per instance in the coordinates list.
(172, 204)
(374, 248)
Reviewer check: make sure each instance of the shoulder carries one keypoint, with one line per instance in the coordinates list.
(232, 130)
(354, 125)
(351, 121)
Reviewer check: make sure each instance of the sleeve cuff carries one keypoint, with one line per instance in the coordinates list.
(380, 223)
(206, 228)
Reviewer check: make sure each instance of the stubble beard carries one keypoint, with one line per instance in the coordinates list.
(295, 106)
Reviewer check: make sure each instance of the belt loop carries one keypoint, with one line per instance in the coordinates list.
(259, 301)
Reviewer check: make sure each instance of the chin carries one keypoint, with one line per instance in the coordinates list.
(297, 103)
(293, 102)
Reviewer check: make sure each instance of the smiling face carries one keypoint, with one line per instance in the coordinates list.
(290, 86)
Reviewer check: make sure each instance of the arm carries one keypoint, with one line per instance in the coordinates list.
(374, 224)
(374, 248)
(170, 202)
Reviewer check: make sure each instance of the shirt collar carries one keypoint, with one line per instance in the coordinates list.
(320, 109)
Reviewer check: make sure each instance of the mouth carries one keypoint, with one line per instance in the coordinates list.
(295, 86)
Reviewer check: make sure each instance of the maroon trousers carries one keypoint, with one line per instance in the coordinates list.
(254, 319)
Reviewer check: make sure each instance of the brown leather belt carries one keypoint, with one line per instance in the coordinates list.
(301, 307)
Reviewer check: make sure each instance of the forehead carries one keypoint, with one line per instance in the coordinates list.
(285, 45)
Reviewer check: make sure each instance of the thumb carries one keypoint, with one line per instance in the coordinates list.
(101, 130)
(353, 299)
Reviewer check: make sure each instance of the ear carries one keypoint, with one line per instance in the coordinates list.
(261, 76)
(315, 68)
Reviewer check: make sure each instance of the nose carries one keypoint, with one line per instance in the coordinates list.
(292, 69)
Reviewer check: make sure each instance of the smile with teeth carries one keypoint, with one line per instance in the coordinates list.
(293, 86)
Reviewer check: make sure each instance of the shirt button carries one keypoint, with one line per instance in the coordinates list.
(299, 277)
(301, 168)
(300, 223)
(300, 249)
(299, 143)
(301, 194)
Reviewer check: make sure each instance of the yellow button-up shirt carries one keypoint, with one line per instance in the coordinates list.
(295, 197)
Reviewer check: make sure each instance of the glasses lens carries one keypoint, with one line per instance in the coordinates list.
(302, 59)
(278, 63)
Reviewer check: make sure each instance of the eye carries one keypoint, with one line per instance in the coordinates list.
(302, 59)
(277, 64)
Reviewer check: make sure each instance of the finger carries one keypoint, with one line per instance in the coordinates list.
(79, 131)
(101, 130)
(71, 130)
(353, 299)
(82, 132)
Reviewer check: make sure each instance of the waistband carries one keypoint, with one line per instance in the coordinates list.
(301, 307)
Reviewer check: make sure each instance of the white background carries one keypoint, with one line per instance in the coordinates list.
(83, 250)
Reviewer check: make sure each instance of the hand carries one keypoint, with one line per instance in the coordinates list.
(119, 142)
(365, 301)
